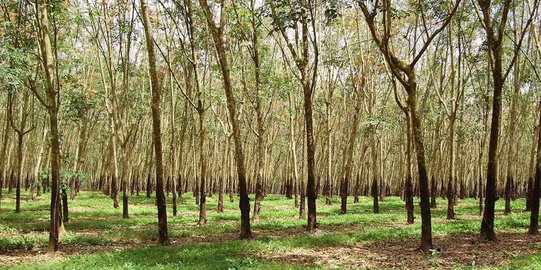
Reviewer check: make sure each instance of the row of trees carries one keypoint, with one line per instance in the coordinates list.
(330, 97)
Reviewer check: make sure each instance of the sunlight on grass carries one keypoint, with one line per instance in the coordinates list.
(94, 223)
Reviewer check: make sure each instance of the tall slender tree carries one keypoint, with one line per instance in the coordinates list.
(218, 36)
(52, 105)
(156, 84)
(307, 66)
(404, 72)
(534, 214)
(495, 34)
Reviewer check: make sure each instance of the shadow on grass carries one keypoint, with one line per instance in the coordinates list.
(235, 254)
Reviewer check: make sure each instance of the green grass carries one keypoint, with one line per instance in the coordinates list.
(103, 239)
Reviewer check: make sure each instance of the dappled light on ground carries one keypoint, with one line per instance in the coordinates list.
(97, 237)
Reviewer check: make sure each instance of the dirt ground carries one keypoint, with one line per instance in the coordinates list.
(451, 251)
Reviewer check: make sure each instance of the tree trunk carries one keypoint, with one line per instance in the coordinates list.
(224, 176)
(349, 159)
(532, 168)
(507, 194)
(487, 224)
(433, 193)
(426, 219)
(328, 178)
(156, 126)
(534, 214)
(529, 194)
(148, 186)
(21, 132)
(408, 190)
(512, 126)
(19, 176)
(260, 178)
(310, 151)
(451, 187)
(52, 108)
(302, 205)
(3, 153)
(218, 37)
(356, 189)
(203, 177)
(65, 210)
(374, 191)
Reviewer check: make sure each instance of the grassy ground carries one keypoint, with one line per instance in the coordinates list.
(97, 237)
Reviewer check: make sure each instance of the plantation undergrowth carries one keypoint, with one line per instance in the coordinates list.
(97, 237)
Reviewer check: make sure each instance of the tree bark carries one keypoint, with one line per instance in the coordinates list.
(426, 219)
(534, 213)
(217, 33)
(349, 159)
(487, 224)
(156, 126)
(451, 188)
(21, 132)
(374, 191)
(408, 190)
(260, 178)
(202, 159)
(3, 153)
(52, 86)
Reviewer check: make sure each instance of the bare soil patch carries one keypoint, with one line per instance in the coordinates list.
(454, 250)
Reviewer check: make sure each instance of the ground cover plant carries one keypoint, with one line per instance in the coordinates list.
(97, 237)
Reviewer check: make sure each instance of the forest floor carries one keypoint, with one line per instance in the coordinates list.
(97, 237)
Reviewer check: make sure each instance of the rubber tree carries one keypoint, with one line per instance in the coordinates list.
(155, 83)
(307, 66)
(495, 34)
(536, 191)
(218, 36)
(51, 103)
(404, 72)
(21, 130)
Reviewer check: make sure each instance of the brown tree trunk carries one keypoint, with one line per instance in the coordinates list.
(310, 151)
(536, 192)
(405, 73)
(148, 186)
(356, 189)
(349, 159)
(508, 192)
(433, 193)
(529, 194)
(328, 177)
(426, 219)
(408, 190)
(487, 224)
(507, 195)
(302, 205)
(52, 86)
(531, 170)
(65, 209)
(3, 153)
(451, 187)
(218, 37)
(126, 80)
(203, 177)
(494, 41)
(223, 176)
(19, 176)
(21, 132)
(374, 191)
(260, 180)
(156, 126)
